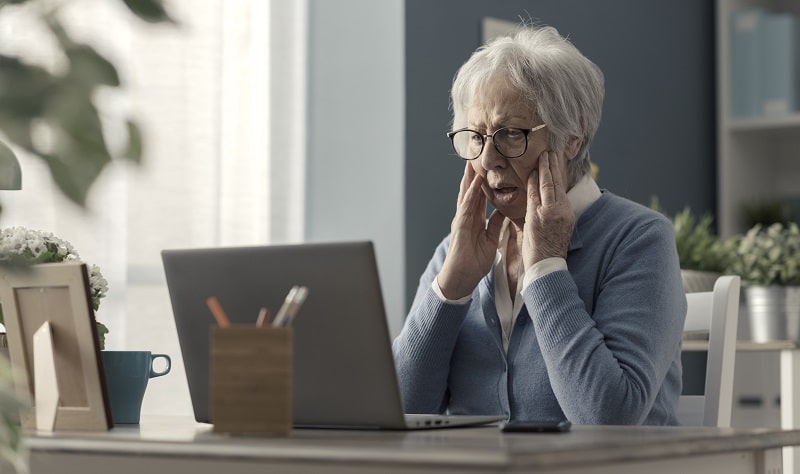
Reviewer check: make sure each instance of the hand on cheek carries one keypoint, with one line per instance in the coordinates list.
(549, 219)
(473, 242)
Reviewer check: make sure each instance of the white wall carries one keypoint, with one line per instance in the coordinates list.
(356, 133)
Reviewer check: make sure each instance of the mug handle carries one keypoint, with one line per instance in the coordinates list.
(153, 358)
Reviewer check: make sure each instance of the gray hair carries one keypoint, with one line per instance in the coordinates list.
(563, 86)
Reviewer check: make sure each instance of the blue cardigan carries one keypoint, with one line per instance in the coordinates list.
(598, 344)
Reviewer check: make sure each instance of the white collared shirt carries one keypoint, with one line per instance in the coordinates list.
(581, 196)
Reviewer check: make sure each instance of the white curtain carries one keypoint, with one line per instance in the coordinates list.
(221, 99)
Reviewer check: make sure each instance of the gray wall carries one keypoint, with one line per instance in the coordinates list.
(658, 128)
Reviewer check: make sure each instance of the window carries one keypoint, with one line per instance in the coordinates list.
(221, 100)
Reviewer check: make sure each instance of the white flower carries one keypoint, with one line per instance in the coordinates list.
(23, 245)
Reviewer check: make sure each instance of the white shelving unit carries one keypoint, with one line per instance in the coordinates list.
(758, 158)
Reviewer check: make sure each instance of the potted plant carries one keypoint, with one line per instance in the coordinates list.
(768, 260)
(22, 246)
(701, 253)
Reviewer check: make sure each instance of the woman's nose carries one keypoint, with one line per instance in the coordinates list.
(490, 157)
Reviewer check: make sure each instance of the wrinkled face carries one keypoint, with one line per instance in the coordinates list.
(506, 178)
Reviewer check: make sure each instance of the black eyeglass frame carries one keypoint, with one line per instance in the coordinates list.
(484, 137)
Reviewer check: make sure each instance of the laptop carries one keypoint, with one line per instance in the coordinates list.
(344, 372)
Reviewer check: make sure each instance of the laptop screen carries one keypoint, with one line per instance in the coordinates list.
(344, 372)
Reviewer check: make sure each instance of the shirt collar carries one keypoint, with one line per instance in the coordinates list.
(583, 195)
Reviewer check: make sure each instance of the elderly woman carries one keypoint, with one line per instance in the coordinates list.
(567, 302)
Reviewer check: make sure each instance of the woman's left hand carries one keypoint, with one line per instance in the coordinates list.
(549, 219)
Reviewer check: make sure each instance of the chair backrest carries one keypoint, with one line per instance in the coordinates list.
(717, 312)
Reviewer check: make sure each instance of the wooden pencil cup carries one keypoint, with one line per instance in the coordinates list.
(251, 379)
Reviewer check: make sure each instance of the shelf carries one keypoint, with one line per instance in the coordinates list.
(756, 156)
(765, 124)
(747, 346)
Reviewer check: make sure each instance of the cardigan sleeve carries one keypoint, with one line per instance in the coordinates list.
(608, 367)
(423, 348)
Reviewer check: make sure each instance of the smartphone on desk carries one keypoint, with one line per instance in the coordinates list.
(524, 426)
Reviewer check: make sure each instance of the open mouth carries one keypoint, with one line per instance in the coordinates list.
(505, 194)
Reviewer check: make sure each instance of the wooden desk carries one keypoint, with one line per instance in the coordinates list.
(790, 387)
(179, 445)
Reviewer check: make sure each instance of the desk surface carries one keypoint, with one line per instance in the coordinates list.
(461, 449)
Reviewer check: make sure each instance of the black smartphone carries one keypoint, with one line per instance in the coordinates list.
(561, 426)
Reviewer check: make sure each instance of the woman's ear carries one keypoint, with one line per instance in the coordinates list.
(573, 146)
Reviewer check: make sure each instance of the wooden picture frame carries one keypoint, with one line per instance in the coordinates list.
(51, 304)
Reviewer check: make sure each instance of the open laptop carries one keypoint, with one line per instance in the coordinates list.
(344, 372)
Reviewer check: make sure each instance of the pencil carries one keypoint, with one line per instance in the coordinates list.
(263, 317)
(218, 312)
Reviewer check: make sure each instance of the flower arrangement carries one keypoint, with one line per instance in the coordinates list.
(22, 246)
(767, 255)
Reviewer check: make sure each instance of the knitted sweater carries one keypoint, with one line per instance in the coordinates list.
(597, 344)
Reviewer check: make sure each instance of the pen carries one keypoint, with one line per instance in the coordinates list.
(295, 298)
(297, 301)
(263, 317)
(218, 312)
(281, 316)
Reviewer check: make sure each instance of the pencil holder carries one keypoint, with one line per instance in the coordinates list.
(251, 379)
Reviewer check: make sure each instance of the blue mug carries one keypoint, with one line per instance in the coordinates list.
(127, 373)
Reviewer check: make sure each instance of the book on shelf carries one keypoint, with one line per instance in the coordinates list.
(779, 76)
(765, 68)
(745, 83)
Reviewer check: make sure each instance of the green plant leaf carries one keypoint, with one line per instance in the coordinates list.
(78, 131)
(149, 10)
(11, 2)
(53, 116)
(24, 88)
(102, 330)
(697, 244)
(87, 67)
(135, 146)
(74, 175)
(17, 132)
(767, 255)
(12, 173)
(6, 152)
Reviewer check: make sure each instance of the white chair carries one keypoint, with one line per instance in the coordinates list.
(717, 312)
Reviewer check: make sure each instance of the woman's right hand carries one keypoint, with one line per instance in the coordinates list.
(473, 242)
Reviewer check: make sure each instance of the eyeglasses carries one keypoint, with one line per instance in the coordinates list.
(511, 142)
